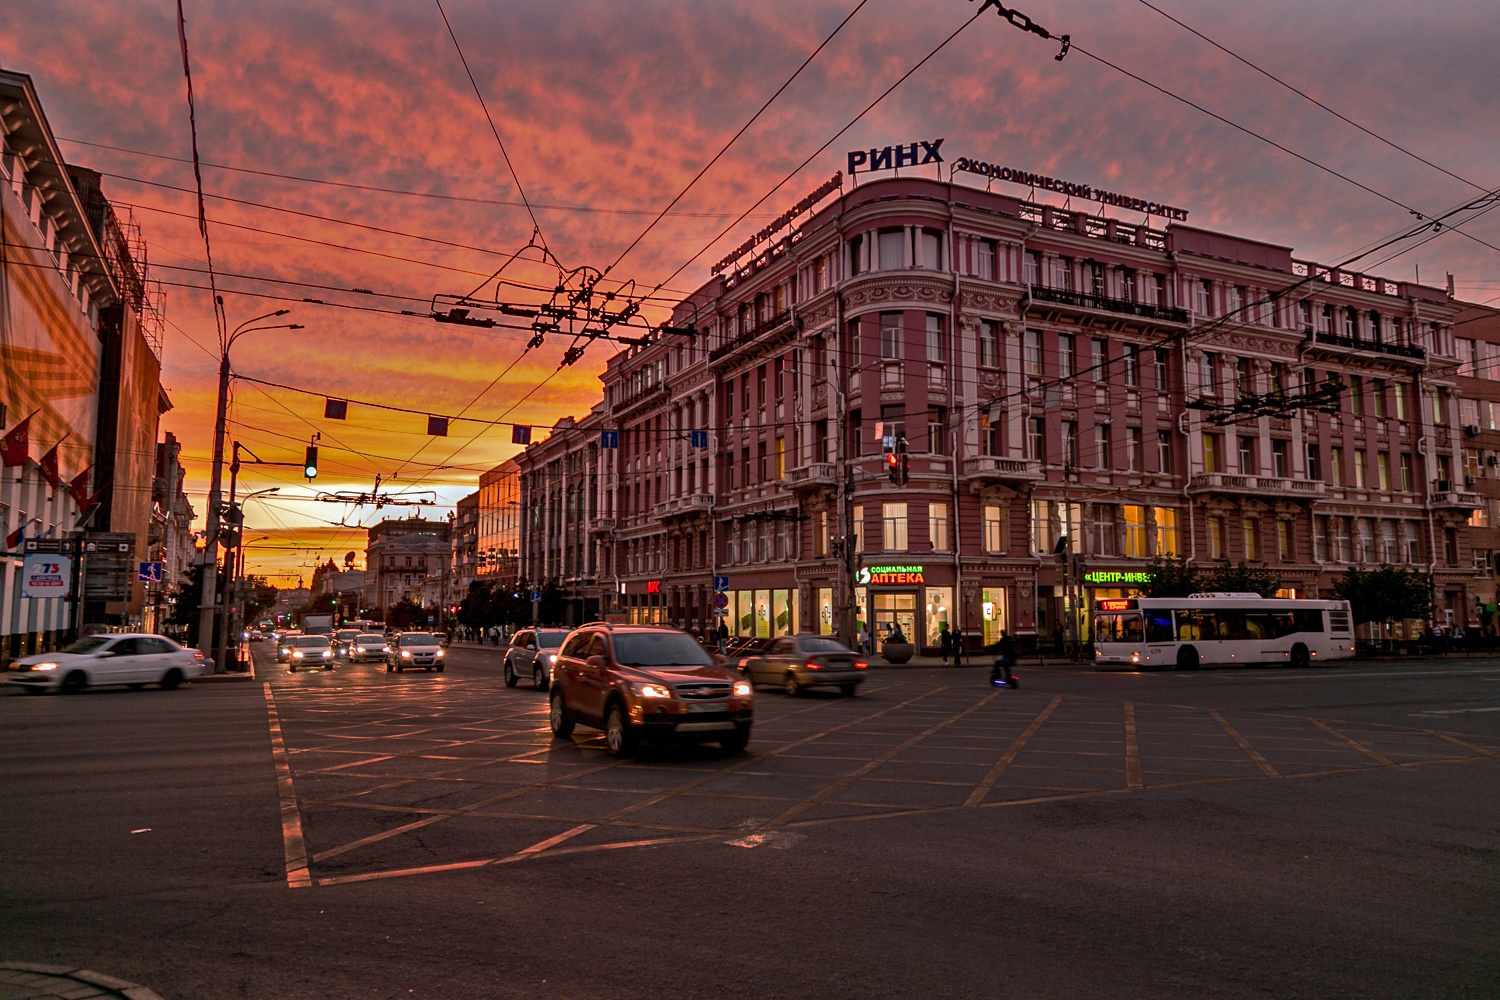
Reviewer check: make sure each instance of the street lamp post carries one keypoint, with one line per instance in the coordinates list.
(235, 563)
(208, 606)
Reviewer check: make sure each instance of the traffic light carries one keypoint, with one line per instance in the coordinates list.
(893, 467)
(905, 469)
(903, 463)
(310, 466)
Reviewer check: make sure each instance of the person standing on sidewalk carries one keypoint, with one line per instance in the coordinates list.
(945, 642)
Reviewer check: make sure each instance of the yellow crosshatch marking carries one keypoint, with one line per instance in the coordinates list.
(365, 777)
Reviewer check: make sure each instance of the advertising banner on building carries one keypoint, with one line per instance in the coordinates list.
(46, 574)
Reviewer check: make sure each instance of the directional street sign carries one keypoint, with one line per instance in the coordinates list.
(721, 583)
(721, 600)
(536, 596)
(151, 572)
(721, 613)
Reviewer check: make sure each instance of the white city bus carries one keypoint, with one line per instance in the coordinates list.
(1153, 633)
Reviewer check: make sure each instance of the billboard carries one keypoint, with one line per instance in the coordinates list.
(46, 575)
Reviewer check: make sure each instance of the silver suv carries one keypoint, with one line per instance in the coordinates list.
(531, 654)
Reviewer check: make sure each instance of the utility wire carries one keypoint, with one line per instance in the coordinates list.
(187, 72)
(1303, 94)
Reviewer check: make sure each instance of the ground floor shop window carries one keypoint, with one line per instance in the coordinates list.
(939, 613)
(763, 613)
(899, 610)
(993, 613)
(825, 611)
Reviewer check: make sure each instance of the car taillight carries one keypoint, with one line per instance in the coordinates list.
(197, 654)
(861, 665)
(810, 665)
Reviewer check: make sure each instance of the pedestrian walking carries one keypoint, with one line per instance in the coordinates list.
(945, 642)
(1001, 673)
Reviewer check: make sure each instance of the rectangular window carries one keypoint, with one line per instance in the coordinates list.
(1043, 535)
(1314, 467)
(1070, 442)
(1166, 532)
(891, 246)
(820, 534)
(989, 434)
(1252, 537)
(1066, 360)
(1029, 268)
(1131, 362)
(1281, 465)
(1032, 361)
(994, 529)
(1213, 447)
(989, 344)
(937, 526)
(1103, 530)
(1038, 439)
(1216, 538)
(1161, 370)
(930, 245)
(1390, 550)
(1468, 412)
(893, 524)
(1247, 455)
(1359, 468)
(1099, 360)
(890, 336)
(986, 260)
(1164, 452)
(1134, 450)
(1400, 400)
(937, 348)
(1383, 469)
(1356, 395)
(1284, 541)
(857, 529)
(1407, 477)
(1102, 452)
(1438, 415)
(1244, 378)
(1208, 374)
(1413, 542)
(780, 465)
(1377, 397)
(1336, 466)
(1135, 532)
(937, 430)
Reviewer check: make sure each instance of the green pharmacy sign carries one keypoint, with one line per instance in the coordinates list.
(1115, 576)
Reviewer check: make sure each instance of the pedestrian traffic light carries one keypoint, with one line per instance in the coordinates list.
(893, 467)
(310, 466)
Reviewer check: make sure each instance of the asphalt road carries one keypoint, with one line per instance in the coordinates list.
(1244, 833)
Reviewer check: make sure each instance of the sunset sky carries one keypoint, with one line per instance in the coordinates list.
(607, 109)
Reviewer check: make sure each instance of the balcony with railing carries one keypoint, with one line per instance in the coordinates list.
(1228, 482)
(756, 332)
(1084, 300)
(811, 476)
(682, 506)
(1322, 340)
(1451, 499)
(994, 469)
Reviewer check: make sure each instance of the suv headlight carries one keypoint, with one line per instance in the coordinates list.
(439, 653)
(742, 689)
(296, 654)
(406, 653)
(327, 653)
(652, 690)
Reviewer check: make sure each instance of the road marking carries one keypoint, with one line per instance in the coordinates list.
(1132, 750)
(1261, 762)
(983, 789)
(297, 876)
(1353, 743)
(1458, 742)
(1452, 711)
(553, 841)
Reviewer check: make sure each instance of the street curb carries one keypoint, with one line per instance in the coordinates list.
(69, 979)
(241, 675)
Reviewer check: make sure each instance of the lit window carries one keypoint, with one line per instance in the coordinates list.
(893, 520)
(994, 529)
(937, 526)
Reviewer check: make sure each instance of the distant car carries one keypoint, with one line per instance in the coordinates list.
(133, 659)
(797, 662)
(414, 649)
(342, 640)
(284, 644)
(367, 646)
(313, 651)
(531, 654)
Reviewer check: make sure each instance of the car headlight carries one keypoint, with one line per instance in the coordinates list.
(406, 653)
(439, 653)
(359, 649)
(327, 653)
(297, 654)
(43, 667)
(742, 689)
(652, 691)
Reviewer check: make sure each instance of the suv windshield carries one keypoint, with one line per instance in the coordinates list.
(87, 644)
(551, 638)
(660, 649)
(346, 634)
(418, 639)
(309, 642)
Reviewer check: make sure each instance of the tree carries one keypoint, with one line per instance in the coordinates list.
(1386, 594)
(1242, 579)
(1170, 578)
(262, 598)
(406, 615)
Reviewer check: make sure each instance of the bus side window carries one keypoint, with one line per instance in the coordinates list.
(1231, 624)
(1189, 626)
(1158, 626)
(1309, 621)
(1258, 625)
(1283, 624)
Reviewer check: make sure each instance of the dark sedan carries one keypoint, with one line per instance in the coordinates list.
(797, 662)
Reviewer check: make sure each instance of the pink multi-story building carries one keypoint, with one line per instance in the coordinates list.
(1070, 396)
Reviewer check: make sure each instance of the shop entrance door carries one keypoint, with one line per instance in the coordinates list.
(895, 609)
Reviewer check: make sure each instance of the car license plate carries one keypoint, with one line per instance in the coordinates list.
(708, 706)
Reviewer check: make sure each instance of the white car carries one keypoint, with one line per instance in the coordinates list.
(414, 649)
(133, 659)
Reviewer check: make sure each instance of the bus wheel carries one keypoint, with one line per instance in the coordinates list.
(1299, 656)
(1187, 658)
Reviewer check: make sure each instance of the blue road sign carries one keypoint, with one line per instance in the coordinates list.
(536, 595)
(152, 572)
(721, 583)
(609, 439)
(699, 439)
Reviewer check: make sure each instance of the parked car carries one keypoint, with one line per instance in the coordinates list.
(368, 646)
(343, 639)
(647, 682)
(531, 654)
(414, 649)
(314, 651)
(134, 659)
(797, 662)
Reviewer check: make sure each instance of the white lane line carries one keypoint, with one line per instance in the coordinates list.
(1453, 711)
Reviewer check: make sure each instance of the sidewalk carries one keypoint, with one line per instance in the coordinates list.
(35, 981)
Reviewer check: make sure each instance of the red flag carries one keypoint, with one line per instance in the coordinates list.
(14, 538)
(78, 488)
(48, 464)
(15, 447)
